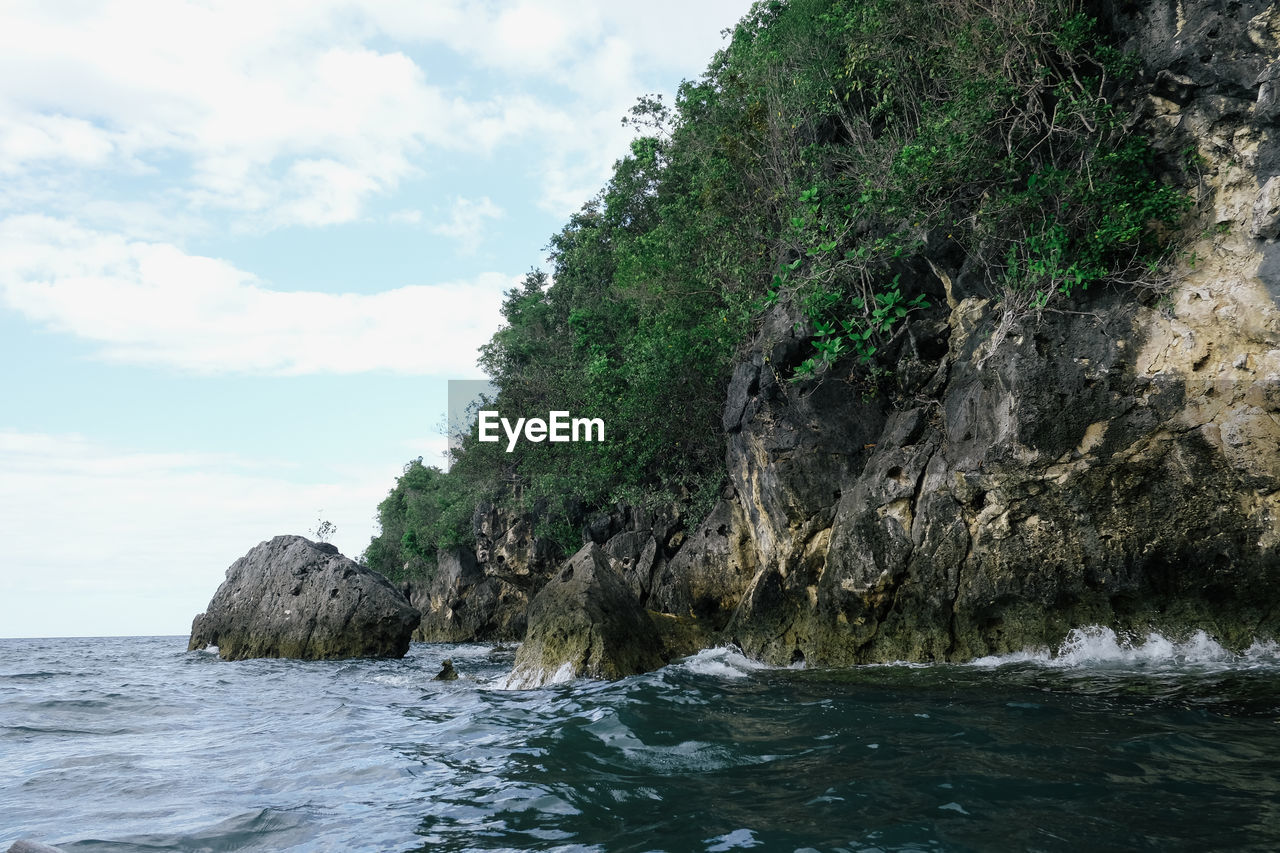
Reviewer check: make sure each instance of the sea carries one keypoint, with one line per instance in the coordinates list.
(126, 745)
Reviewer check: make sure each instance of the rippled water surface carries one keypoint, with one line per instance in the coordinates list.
(133, 744)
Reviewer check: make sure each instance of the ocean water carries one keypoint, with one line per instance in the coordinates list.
(134, 744)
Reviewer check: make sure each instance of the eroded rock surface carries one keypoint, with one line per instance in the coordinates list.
(293, 598)
(462, 603)
(1118, 463)
(586, 622)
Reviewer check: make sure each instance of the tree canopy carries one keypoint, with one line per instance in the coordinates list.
(829, 145)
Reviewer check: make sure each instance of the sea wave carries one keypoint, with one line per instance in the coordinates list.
(1096, 645)
(721, 662)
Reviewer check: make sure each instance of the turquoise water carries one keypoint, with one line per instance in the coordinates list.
(133, 744)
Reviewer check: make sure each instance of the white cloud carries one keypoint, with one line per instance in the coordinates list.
(302, 112)
(51, 137)
(279, 113)
(130, 126)
(152, 304)
(466, 225)
(87, 525)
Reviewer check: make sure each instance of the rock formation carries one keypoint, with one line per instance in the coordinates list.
(461, 603)
(585, 622)
(481, 594)
(1115, 461)
(294, 598)
(1116, 464)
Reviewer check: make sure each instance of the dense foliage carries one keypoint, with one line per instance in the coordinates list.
(830, 151)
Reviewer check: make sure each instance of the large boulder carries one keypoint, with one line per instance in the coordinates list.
(586, 622)
(293, 598)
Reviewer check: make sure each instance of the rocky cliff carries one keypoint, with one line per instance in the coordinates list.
(1114, 463)
(1115, 460)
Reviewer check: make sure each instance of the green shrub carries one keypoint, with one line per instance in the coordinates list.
(830, 150)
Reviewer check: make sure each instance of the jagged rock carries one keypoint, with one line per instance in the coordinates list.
(1266, 211)
(463, 603)
(708, 577)
(293, 598)
(585, 622)
(1115, 464)
(600, 527)
(507, 547)
(633, 553)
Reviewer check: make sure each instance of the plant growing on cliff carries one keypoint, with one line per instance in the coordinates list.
(428, 509)
(991, 136)
(324, 529)
(833, 156)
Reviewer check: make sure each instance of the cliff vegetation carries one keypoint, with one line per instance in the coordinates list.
(838, 157)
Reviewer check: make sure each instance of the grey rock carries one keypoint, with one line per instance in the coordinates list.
(600, 527)
(709, 575)
(743, 387)
(585, 622)
(463, 602)
(1175, 87)
(1267, 106)
(1266, 211)
(290, 597)
(1003, 499)
(633, 553)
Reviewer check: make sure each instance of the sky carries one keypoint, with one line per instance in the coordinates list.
(243, 248)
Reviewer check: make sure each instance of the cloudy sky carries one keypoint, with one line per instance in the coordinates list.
(244, 245)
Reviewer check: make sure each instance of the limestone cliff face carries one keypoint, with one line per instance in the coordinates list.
(586, 622)
(1118, 463)
(462, 603)
(483, 594)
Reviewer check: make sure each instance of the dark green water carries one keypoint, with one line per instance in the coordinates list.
(134, 744)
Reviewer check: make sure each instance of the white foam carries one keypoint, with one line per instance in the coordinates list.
(563, 675)
(528, 679)
(1099, 645)
(721, 662)
(1027, 656)
(1263, 652)
(739, 839)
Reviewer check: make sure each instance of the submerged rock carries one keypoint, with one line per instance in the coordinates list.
(32, 847)
(586, 622)
(293, 598)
